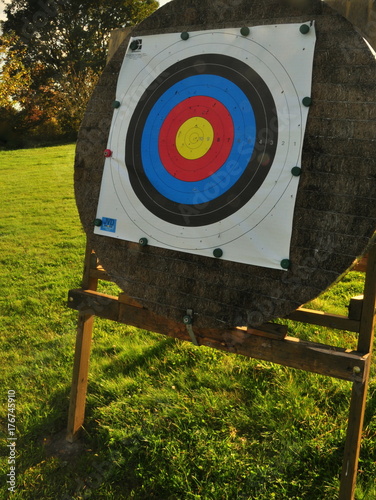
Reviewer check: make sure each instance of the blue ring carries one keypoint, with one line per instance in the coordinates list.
(206, 190)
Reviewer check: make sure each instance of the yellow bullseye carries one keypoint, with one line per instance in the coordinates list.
(194, 138)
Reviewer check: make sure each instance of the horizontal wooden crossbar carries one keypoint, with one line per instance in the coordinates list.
(324, 319)
(268, 343)
(100, 274)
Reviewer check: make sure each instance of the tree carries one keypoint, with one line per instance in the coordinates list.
(62, 45)
(58, 31)
(15, 76)
(20, 108)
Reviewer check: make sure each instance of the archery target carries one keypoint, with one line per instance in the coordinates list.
(205, 139)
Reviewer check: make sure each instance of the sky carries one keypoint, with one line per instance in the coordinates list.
(1, 9)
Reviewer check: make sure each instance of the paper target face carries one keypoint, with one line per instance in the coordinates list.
(193, 140)
(204, 141)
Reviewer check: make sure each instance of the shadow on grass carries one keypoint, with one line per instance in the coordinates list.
(131, 362)
(149, 456)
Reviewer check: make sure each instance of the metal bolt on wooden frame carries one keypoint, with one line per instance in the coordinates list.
(269, 342)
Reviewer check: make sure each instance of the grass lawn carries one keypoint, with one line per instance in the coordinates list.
(165, 420)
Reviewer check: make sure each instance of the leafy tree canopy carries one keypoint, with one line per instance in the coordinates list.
(62, 32)
(51, 55)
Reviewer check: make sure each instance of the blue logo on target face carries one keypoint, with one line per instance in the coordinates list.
(108, 225)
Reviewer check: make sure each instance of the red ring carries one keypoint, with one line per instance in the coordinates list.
(220, 119)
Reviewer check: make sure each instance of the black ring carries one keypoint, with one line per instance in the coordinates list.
(248, 184)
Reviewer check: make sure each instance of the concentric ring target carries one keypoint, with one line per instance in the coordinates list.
(204, 139)
(289, 217)
(201, 140)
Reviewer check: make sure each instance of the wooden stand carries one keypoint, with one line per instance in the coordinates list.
(269, 342)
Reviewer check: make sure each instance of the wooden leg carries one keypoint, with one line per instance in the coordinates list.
(80, 376)
(353, 440)
(359, 391)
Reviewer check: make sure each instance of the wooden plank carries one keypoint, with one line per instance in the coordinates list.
(89, 282)
(85, 325)
(353, 439)
(270, 330)
(361, 265)
(77, 403)
(356, 307)
(321, 318)
(309, 356)
(125, 299)
(100, 274)
(359, 391)
(367, 324)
